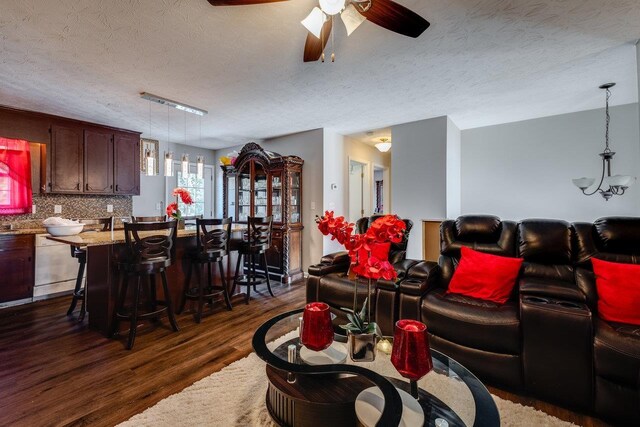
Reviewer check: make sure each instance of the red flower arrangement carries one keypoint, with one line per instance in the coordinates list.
(368, 251)
(172, 208)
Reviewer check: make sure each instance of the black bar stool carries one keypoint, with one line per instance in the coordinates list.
(258, 240)
(148, 254)
(102, 224)
(213, 246)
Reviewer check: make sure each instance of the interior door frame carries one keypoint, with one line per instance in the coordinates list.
(386, 186)
(367, 184)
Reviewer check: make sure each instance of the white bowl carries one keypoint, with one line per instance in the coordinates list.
(64, 230)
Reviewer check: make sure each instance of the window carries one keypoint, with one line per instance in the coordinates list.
(195, 186)
(15, 177)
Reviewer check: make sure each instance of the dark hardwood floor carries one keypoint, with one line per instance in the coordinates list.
(54, 371)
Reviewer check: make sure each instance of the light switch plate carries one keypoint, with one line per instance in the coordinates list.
(158, 206)
(57, 209)
(33, 209)
(109, 208)
(313, 206)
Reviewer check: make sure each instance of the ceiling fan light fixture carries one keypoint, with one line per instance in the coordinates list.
(351, 18)
(315, 21)
(332, 7)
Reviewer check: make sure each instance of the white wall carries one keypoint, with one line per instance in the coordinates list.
(309, 147)
(454, 200)
(334, 182)
(419, 175)
(524, 169)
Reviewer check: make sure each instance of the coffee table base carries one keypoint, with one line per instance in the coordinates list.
(329, 400)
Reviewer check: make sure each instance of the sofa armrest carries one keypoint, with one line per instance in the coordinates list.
(333, 263)
(420, 277)
(551, 288)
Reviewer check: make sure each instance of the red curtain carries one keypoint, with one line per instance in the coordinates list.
(15, 177)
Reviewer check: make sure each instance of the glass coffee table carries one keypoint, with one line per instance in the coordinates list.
(319, 392)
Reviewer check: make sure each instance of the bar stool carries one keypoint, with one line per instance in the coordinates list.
(103, 224)
(147, 255)
(160, 218)
(258, 240)
(213, 246)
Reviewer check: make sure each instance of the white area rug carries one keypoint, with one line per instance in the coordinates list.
(235, 396)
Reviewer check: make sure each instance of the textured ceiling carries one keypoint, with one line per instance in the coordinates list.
(481, 62)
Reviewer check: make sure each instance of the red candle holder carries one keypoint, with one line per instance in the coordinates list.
(411, 355)
(317, 329)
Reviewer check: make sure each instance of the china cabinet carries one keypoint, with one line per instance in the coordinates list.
(263, 183)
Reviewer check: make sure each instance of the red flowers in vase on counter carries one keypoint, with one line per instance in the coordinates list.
(369, 251)
(172, 208)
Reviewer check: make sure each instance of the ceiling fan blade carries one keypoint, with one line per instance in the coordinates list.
(240, 2)
(395, 17)
(314, 46)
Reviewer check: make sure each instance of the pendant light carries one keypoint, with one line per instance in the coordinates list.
(168, 155)
(614, 185)
(149, 159)
(200, 159)
(185, 165)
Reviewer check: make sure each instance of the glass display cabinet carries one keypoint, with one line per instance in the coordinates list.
(263, 183)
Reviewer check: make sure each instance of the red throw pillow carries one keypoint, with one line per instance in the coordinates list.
(485, 276)
(618, 287)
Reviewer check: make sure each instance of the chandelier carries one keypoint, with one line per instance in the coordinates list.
(610, 185)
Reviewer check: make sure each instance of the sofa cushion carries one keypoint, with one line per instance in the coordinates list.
(617, 352)
(618, 287)
(472, 322)
(485, 276)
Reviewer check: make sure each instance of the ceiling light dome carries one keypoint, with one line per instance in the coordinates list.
(332, 7)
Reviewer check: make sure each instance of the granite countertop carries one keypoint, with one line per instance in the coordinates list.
(99, 238)
(18, 231)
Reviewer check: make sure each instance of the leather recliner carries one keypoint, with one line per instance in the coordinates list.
(616, 346)
(482, 335)
(328, 281)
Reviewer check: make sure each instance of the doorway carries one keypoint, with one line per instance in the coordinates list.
(359, 194)
(378, 189)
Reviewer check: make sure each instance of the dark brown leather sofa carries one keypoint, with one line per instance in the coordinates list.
(547, 340)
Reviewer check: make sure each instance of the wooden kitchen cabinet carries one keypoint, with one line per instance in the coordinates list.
(16, 267)
(127, 163)
(67, 148)
(98, 161)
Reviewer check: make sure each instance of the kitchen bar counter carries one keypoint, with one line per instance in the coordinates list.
(106, 248)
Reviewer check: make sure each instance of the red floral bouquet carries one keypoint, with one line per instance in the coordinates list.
(172, 208)
(368, 251)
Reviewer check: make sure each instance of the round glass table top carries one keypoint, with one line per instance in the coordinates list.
(449, 394)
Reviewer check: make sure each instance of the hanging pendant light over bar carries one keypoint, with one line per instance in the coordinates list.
(200, 167)
(149, 163)
(185, 164)
(614, 185)
(168, 163)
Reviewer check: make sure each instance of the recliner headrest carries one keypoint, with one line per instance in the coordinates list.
(618, 234)
(545, 241)
(478, 228)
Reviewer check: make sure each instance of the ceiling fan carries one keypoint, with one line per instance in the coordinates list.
(385, 13)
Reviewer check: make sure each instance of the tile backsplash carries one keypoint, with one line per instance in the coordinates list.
(73, 206)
